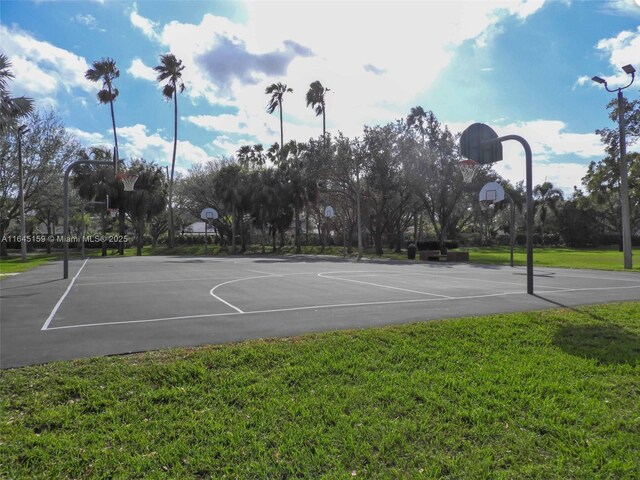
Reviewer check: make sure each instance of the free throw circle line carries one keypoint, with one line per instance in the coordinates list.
(234, 281)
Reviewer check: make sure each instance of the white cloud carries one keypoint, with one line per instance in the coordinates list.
(41, 69)
(135, 141)
(229, 146)
(88, 21)
(90, 139)
(621, 50)
(547, 139)
(139, 70)
(144, 24)
(379, 86)
(622, 7)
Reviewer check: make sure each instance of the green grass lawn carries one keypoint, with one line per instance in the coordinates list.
(562, 257)
(14, 263)
(550, 394)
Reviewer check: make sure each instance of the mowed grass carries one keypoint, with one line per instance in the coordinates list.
(14, 263)
(561, 257)
(549, 394)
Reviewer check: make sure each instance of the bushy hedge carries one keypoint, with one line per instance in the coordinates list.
(435, 245)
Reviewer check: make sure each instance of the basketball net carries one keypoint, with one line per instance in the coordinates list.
(486, 204)
(129, 180)
(468, 169)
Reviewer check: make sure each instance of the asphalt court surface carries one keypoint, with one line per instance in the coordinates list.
(114, 305)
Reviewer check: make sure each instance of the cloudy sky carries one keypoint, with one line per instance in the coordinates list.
(523, 67)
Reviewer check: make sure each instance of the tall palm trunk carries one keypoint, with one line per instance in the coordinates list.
(116, 157)
(281, 131)
(173, 164)
(324, 126)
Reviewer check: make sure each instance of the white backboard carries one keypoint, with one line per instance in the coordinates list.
(492, 192)
(209, 214)
(328, 212)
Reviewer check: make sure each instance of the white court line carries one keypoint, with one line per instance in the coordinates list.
(64, 295)
(173, 280)
(279, 310)
(267, 274)
(322, 275)
(233, 281)
(313, 307)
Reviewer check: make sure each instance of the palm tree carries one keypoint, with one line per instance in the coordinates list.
(416, 120)
(546, 198)
(105, 70)
(315, 99)
(11, 108)
(277, 91)
(171, 69)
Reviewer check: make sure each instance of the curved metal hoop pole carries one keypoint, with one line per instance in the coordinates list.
(65, 228)
(529, 181)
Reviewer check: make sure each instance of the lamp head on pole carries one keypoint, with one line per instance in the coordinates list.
(628, 69)
(599, 80)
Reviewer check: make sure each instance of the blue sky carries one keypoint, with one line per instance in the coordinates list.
(523, 67)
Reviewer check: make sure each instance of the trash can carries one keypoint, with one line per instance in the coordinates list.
(411, 251)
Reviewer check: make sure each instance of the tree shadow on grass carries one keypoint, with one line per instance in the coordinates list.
(608, 344)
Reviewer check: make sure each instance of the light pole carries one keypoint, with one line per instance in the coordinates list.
(624, 183)
(359, 225)
(22, 129)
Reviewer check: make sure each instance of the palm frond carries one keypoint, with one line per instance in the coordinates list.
(104, 96)
(5, 73)
(170, 69)
(167, 91)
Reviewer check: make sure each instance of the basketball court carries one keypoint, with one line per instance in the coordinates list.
(115, 305)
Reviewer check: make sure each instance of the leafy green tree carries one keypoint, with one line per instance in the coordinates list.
(416, 121)
(252, 156)
(433, 171)
(270, 203)
(602, 185)
(297, 168)
(227, 184)
(46, 150)
(106, 71)
(148, 199)
(316, 99)
(380, 155)
(97, 184)
(342, 185)
(579, 221)
(170, 69)
(546, 199)
(602, 180)
(277, 91)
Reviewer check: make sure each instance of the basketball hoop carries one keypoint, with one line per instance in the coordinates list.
(485, 205)
(468, 169)
(112, 212)
(128, 180)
